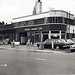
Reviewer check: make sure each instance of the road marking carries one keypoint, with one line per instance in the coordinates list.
(3, 65)
(40, 59)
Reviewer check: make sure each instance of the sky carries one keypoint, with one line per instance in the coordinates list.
(10, 9)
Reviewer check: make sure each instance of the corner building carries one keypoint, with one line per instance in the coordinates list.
(54, 24)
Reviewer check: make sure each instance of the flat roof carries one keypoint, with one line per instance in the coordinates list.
(29, 15)
(59, 13)
(43, 13)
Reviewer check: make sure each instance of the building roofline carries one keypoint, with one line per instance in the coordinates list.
(63, 11)
(43, 13)
(30, 15)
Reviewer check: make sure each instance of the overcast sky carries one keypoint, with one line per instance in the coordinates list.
(16, 8)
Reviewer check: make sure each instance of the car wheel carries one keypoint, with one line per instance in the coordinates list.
(57, 47)
(72, 50)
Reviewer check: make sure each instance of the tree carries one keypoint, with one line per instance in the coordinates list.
(0, 23)
(3, 22)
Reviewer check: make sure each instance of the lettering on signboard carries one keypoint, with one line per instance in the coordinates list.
(27, 29)
(40, 28)
(33, 28)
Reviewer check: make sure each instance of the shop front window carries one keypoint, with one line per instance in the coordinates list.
(54, 37)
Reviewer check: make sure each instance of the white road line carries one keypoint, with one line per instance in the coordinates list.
(40, 59)
(3, 65)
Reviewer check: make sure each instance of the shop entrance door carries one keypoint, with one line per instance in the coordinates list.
(45, 37)
(37, 38)
(23, 38)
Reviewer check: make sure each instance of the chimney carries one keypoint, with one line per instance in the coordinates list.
(39, 1)
(37, 8)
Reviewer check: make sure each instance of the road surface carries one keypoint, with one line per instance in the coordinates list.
(17, 62)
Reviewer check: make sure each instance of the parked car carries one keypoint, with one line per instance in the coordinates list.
(66, 44)
(58, 43)
(72, 48)
(61, 44)
(47, 43)
(70, 42)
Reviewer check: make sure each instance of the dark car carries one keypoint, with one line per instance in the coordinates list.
(47, 44)
(57, 43)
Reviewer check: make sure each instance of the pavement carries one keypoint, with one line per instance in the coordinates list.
(30, 48)
(17, 47)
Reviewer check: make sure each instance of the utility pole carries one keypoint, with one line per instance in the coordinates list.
(69, 24)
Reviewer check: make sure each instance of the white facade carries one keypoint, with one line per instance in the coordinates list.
(31, 17)
(72, 29)
(52, 13)
(60, 13)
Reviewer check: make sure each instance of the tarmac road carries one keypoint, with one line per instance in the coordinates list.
(17, 62)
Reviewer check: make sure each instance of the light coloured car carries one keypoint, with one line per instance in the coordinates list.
(72, 47)
(70, 42)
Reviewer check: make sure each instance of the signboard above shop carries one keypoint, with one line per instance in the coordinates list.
(33, 29)
(43, 28)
